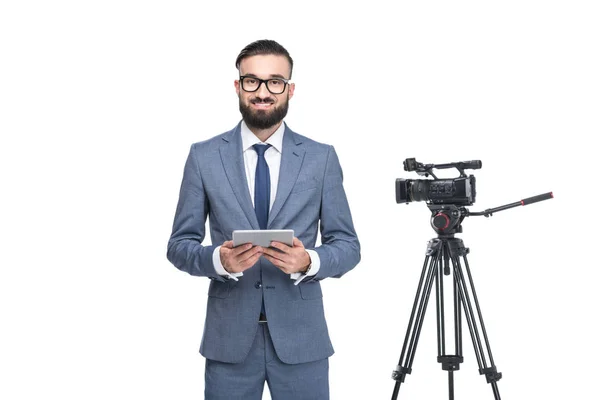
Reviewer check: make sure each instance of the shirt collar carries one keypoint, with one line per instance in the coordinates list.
(249, 139)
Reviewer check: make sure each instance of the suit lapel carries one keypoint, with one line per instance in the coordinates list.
(291, 161)
(233, 163)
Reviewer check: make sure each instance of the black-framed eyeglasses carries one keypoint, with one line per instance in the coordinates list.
(274, 85)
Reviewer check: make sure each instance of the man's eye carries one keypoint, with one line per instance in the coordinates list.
(251, 81)
(275, 82)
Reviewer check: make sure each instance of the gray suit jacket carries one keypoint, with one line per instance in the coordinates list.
(309, 191)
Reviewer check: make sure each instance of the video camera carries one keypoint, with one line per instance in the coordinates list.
(457, 191)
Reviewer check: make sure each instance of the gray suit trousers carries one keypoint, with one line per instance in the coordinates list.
(246, 380)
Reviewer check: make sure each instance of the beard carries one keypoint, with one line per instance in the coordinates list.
(263, 119)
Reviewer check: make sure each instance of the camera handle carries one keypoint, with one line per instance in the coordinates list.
(441, 252)
(530, 200)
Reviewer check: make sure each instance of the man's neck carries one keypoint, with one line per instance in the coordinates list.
(264, 134)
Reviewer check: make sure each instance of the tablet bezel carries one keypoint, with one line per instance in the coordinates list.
(263, 237)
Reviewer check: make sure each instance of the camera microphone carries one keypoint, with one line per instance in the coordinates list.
(474, 164)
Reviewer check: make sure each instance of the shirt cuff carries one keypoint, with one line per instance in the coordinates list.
(315, 265)
(219, 269)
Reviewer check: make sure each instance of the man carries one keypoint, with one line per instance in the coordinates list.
(264, 319)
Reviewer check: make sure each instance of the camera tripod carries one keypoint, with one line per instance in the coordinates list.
(445, 256)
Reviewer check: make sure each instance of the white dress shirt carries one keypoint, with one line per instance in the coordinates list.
(273, 159)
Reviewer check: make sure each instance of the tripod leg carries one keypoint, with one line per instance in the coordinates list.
(428, 275)
(450, 362)
(473, 316)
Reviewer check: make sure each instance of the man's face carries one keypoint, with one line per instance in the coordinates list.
(262, 109)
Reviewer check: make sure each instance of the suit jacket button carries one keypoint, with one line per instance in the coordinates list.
(258, 285)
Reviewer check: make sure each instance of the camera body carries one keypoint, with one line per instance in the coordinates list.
(458, 191)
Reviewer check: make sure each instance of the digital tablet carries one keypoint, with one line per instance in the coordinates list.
(263, 237)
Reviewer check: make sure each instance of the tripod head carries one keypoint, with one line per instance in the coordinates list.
(446, 219)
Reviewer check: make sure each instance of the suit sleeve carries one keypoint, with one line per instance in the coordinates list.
(185, 250)
(340, 248)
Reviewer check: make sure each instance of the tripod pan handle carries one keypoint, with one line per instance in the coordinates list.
(537, 198)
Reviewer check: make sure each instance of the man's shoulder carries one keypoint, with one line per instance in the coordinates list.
(310, 144)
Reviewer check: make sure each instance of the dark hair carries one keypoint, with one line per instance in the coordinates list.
(264, 47)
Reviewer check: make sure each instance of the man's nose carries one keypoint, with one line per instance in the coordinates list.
(262, 91)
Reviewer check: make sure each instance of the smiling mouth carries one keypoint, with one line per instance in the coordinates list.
(262, 106)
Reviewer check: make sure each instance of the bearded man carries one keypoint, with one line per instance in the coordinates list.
(265, 320)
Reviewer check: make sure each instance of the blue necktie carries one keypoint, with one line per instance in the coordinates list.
(262, 186)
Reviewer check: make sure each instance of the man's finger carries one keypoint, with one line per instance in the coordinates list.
(228, 244)
(241, 248)
(249, 262)
(276, 254)
(297, 242)
(276, 262)
(281, 246)
(256, 250)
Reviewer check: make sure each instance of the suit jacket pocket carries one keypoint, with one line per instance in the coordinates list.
(219, 290)
(310, 291)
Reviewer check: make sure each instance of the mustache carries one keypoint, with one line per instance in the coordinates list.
(266, 100)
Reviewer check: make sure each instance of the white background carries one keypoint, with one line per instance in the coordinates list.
(100, 101)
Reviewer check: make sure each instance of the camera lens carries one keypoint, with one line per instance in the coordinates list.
(420, 190)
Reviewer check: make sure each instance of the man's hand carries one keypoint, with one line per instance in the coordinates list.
(241, 258)
(289, 259)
